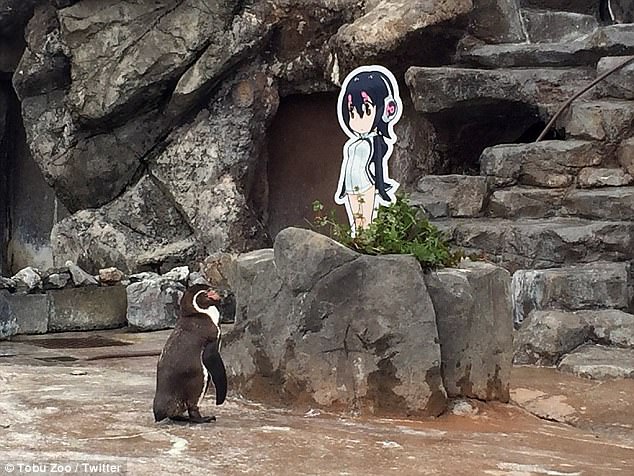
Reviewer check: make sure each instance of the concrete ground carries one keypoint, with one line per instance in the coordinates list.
(61, 403)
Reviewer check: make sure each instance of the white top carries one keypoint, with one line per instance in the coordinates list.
(357, 157)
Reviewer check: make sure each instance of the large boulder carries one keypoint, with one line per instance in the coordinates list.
(473, 313)
(84, 309)
(116, 235)
(334, 329)
(153, 303)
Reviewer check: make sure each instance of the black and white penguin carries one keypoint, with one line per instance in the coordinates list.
(190, 358)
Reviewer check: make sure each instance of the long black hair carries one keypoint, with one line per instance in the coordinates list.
(375, 85)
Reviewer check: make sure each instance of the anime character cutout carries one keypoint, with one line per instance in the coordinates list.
(368, 107)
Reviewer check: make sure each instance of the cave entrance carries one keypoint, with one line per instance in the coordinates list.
(305, 147)
(28, 206)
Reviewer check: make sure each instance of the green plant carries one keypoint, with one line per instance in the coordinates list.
(397, 229)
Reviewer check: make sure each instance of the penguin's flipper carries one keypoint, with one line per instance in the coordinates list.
(216, 367)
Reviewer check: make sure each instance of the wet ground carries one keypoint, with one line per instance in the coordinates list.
(64, 404)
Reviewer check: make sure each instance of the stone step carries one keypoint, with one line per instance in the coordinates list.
(611, 40)
(546, 336)
(600, 285)
(442, 89)
(551, 164)
(612, 203)
(618, 85)
(599, 362)
(604, 120)
(541, 243)
(450, 195)
(556, 26)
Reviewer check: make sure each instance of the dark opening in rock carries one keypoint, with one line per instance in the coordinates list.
(305, 147)
(463, 133)
(28, 206)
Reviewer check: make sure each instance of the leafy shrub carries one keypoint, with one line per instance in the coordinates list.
(397, 229)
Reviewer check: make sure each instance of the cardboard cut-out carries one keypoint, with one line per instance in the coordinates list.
(369, 105)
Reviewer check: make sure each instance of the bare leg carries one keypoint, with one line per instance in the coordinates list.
(362, 206)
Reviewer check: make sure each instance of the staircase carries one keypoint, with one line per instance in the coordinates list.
(559, 214)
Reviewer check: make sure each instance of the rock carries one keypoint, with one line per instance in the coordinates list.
(87, 170)
(57, 280)
(474, 318)
(335, 345)
(525, 202)
(590, 286)
(546, 336)
(463, 408)
(226, 137)
(601, 204)
(599, 362)
(556, 26)
(610, 327)
(625, 155)
(603, 120)
(179, 274)
(110, 276)
(30, 311)
(599, 177)
(460, 195)
(497, 21)
(543, 243)
(154, 44)
(79, 276)
(444, 89)
(143, 218)
(618, 84)
(197, 278)
(8, 321)
(144, 276)
(303, 258)
(153, 304)
(384, 28)
(550, 164)
(605, 41)
(84, 309)
(8, 283)
(622, 11)
(28, 280)
(14, 14)
(219, 269)
(44, 66)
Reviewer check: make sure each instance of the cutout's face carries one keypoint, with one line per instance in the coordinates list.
(362, 121)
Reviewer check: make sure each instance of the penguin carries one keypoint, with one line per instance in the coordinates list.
(190, 358)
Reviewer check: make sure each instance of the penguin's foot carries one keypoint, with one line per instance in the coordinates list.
(195, 417)
(203, 419)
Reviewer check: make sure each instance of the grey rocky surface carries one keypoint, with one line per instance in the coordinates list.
(602, 120)
(28, 280)
(287, 341)
(591, 286)
(87, 308)
(57, 279)
(525, 202)
(617, 85)
(546, 336)
(497, 21)
(612, 203)
(625, 155)
(473, 314)
(610, 326)
(542, 243)
(442, 89)
(548, 26)
(599, 362)
(603, 177)
(613, 40)
(8, 320)
(30, 311)
(110, 276)
(142, 219)
(551, 164)
(153, 303)
(450, 195)
(79, 276)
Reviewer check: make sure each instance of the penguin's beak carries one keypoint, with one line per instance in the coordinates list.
(213, 295)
